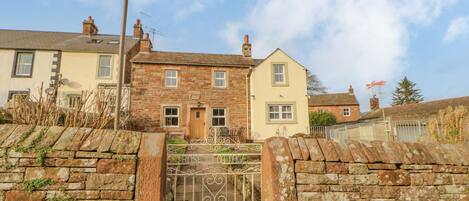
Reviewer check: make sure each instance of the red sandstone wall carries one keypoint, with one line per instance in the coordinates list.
(84, 164)
(326, 170)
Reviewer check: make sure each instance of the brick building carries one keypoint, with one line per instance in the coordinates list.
(344, 106)
(179, 92)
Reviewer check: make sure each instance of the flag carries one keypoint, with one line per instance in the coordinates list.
(375, 84)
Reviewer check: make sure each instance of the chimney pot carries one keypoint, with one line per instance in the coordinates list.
(89, 28)
(138, 30)
(350, 90)
(246, 49)
(374, 103)
(145, 44)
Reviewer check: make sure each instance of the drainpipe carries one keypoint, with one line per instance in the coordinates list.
(248, 101)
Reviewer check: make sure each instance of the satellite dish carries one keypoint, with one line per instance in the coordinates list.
(64, 81)
(49, 90)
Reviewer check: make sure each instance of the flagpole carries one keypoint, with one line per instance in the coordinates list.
(121, 65)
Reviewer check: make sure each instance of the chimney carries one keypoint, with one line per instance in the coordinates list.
(89, 28)
(138, 31)
(350, 90)
(145, 44)
(374, 103)
(246, 47)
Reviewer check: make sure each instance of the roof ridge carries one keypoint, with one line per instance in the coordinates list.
(197, 53)
(62, 32)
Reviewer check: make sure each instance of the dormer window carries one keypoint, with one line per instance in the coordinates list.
(94, 40)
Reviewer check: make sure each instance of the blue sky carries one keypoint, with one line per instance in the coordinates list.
(343, 41)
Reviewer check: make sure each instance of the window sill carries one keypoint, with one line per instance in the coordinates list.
(280, 85)
(282, 122)
(21, 76)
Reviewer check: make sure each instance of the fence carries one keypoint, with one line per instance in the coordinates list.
(405, 131)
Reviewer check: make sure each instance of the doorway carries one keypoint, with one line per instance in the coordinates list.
(197, 123)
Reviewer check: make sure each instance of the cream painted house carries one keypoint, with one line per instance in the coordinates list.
(85, 61)
(278, 97)
(22, 71)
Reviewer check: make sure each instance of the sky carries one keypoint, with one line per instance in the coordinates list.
(344, 42)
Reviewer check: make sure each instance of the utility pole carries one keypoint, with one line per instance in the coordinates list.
(121, 65)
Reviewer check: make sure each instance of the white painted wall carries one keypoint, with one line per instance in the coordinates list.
(42, 66)
(263, 92)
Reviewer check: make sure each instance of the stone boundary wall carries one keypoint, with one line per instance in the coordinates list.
(79, 163)
(308, 169)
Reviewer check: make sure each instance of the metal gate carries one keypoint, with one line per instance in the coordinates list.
(214, 172)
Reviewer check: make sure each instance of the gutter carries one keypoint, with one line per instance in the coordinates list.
(248, 101)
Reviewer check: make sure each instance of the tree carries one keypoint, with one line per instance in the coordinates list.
(322, 118)
(314, 85)
(406, 93)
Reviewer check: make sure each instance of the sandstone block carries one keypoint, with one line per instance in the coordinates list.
(25, 196)
(357, 168)
(450, 169)
(312, 188)
(86, 154)
(295, 148)
(110, 182)
(388, 192)
(336, 167)
(116, 166)
(309, 167)
(76, 162)
(305, 178)
(56, 174)
(394, 177)
(419, 193)
(381, 166)
(11, 177)
(117, 195)
(126, 142)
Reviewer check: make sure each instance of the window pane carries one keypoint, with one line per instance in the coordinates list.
(278, 68)
(171, 73)
(105, 61)
(24, 64)
(286, 108)
(220, 83)
(273, 108)
(104, 66)
(220, 75)
(278, 78)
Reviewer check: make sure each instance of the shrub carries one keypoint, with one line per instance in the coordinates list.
(322, 118)
(450, 125)
(5, 117)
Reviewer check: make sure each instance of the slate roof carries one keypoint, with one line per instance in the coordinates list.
(421, 110)
(64, 41)
(201, 59)
(333, 99)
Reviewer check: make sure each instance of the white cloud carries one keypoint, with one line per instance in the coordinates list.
(195, 7)
(458, 28)
(343, 41)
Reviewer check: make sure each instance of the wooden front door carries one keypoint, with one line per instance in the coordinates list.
(197, 123)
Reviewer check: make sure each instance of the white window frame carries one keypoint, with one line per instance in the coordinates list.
(171, 116)
(219, 117)
(17, 65)
(346, 111)
(166, 78)
(281, 112)
(98, 73)
(223, 79)
(283, 73)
